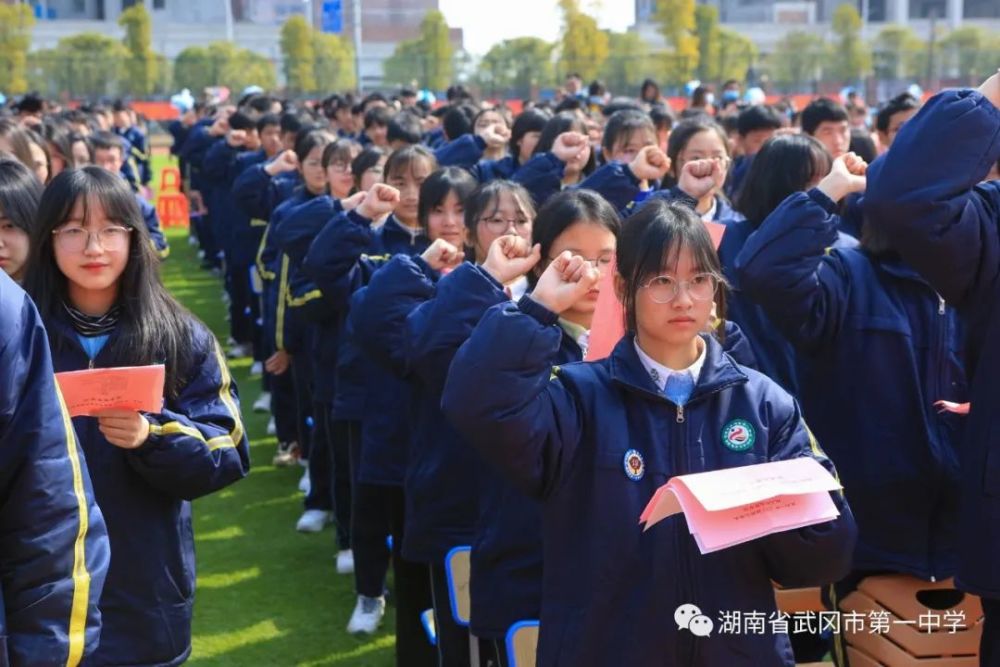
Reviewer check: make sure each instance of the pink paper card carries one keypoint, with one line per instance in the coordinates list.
(716, 230)
(735, 505)
(132, 388)
(608, 325)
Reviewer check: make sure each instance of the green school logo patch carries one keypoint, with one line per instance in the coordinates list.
(739, 435)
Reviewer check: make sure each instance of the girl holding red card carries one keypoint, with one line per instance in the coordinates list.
(94, 277)
(592, 442)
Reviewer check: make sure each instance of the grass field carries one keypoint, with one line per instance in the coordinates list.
(267, 595)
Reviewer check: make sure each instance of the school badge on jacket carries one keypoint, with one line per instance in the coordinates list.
(635, 466)
(739, 435)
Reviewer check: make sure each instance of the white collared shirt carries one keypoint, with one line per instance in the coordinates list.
(518, 288)
(660, 373)
(709, 215)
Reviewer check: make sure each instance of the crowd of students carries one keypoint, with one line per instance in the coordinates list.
(416, 287)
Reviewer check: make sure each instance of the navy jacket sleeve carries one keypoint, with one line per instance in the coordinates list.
(528, 425)
(814, 555)
(296, 232)
(465, 152)
(923, 193)
(783, 266)
(253, 192)
(616, 183)
(337, 259)
(436, 329)
(152, 220)
(218, 163)
(490, 170)
(379, 314)
(542, 176)
(53, 542)
(737, 345)
(197, 444)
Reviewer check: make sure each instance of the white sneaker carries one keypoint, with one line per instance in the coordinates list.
(345, 562)
(287, 455)
(367, 616)
(240, 350)
(192, 241)
(312, 521)
(304, 484)
(272, 428)
(257, 369)
(263, 402)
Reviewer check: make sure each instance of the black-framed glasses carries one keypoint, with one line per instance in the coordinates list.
(499, 225)
(664, 289)
(76, 239)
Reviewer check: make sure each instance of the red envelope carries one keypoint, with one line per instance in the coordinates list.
(131, 388)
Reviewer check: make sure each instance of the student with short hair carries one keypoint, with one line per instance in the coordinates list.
(828, 122)
(892, 115)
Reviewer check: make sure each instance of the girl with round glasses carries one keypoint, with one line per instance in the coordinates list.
(95, 279)
(593, 441)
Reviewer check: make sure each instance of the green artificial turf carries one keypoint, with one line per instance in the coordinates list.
(267, 595)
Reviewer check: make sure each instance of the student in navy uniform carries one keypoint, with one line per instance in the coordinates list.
(524, 136)
(138, 155)
(786, 164)
(594, 441)
(376, 127)
(925, 195)
(20, 192)
(892, 115)
(862, 312)
(108, 153)
(201, 137)
(417, 318)
(694, 140)
(754, 126)
(94, 277)
(562, 158)
(54, 554)
(487, 141)
(342, 259)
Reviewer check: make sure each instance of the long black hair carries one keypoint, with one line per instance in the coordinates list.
(366, 159)
(652, 239)
(563, 210)
(529, 120)
(565, 121)
(485, 200)
(154, 327)
(20, 193)
(785, 164)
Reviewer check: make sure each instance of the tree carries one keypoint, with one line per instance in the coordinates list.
(521, 64)
(971, 53)
(735, 55)
(583, 47)
(140, 61)
(675, 20)
(798, 58)
(334, 67)
(706, 21)
(16, 22)
(850, 57)
(87, 64)
(298, 55)
(897, 53)
(628, 64)
(425, 61)
(222, 64)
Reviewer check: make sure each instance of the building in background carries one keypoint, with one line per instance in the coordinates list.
(178, 24)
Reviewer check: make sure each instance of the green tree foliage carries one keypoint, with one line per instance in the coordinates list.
(140, 61)
(706, 21)
(734, 56)
(334, 68)
(583, 46)
(971, 53)
(298, 55)
(897, 53)
(628, 64)
(222, 64)
(16, 22)
(425, 61)
(850, 57)
(798, 58)
(87, 64)
(675, 20)
(521, 64)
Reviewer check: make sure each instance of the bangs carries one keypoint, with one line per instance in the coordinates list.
(94, 188)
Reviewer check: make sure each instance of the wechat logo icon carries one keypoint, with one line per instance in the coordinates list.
(689, 617)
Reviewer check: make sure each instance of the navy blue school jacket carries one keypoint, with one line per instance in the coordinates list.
(464, 152)
(342, 259)
(924, 194)
(53, 540)
(152, 220)
(880, 347)
(259, 194)
(196, 445)
(485, 171)
(138, 153)
(610, 590)
(237, 233)
(542, 176)
(193, 151)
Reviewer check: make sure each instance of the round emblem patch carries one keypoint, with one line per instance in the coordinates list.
(635, 466)
(738, 435)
